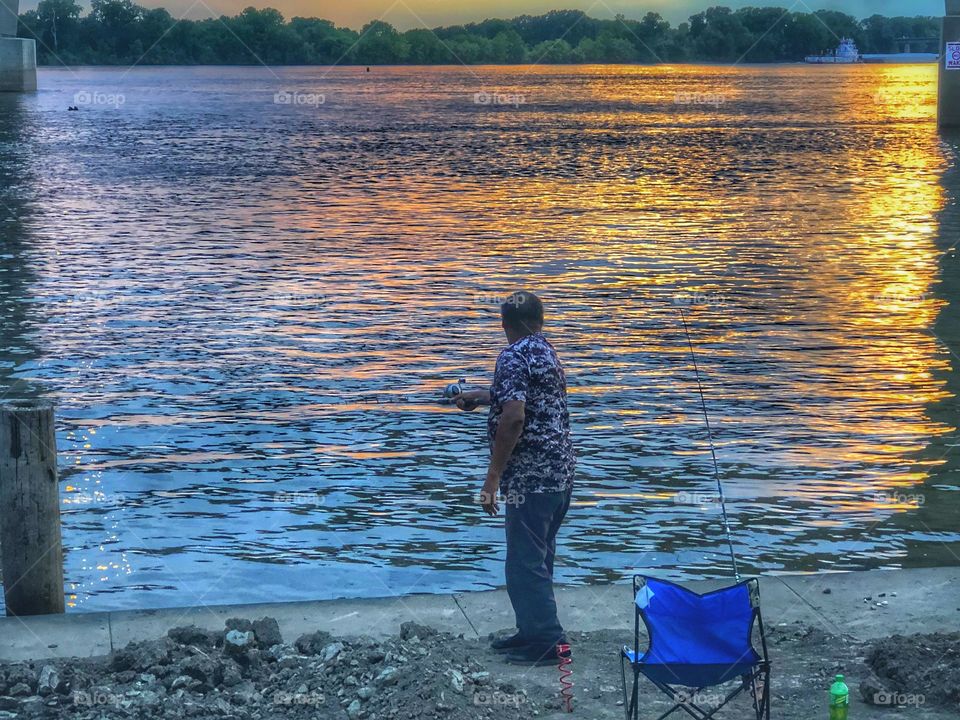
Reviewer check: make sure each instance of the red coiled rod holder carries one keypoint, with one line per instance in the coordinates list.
(566, 683)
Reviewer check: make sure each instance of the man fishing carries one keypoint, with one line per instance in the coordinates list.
(531, 466)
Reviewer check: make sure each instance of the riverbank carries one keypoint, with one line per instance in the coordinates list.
(916, 601)
(817, 625)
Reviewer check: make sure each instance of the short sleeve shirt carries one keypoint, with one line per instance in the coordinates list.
(543, 459)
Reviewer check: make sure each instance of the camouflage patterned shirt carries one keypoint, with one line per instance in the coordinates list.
(543, 460)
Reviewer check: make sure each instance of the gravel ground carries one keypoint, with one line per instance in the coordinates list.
(247, 672)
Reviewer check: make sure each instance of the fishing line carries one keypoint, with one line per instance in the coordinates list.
(713, 452)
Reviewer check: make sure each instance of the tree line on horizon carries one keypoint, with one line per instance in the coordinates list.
(120, 32)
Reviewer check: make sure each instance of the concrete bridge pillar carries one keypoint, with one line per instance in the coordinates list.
(18, 56)
(948, 107)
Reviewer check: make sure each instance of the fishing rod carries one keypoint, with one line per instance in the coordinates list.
(449, 396)
(713, 452)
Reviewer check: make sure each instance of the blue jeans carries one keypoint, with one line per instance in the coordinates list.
(532, 524)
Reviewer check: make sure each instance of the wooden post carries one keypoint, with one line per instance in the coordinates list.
(31, 555)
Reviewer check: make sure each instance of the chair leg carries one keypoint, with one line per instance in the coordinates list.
(760, 690)
(630, 708)
(623, 683)
(766, 693)
(756, 695)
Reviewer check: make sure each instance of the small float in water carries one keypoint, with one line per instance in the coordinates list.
(846, 54)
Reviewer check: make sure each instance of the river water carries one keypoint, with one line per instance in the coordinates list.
(245, 288)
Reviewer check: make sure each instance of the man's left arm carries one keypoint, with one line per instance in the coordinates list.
(508, 433)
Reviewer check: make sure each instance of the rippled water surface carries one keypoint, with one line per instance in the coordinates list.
(245, 311)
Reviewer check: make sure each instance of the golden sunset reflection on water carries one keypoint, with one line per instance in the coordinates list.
(272, 300)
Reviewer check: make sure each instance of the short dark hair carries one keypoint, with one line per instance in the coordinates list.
(522, 311)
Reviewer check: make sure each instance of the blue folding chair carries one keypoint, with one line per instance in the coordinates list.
(697, 642)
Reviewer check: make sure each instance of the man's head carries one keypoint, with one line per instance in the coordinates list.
(521, 315)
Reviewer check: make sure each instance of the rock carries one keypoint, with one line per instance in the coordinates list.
(192, 635)
(125, 677)
(218, 707)
(207, 670)
(48, 681)
(331, 651)
(236, 642)
(313, 643)
(20, 690)
(387, 677)
(21, 674)
(231, 674)
(353, 710)
(30, 706)
(267, 632)
(411, 629)
(240, 624)
(158, 671)
(275, 652)
(140, 656)
(424, 676)
(181, 681)
(149, 699)
(246, 694)
(288, 662)
(871, 691)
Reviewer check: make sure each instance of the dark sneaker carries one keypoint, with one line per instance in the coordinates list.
(534, 655)
(513, 642)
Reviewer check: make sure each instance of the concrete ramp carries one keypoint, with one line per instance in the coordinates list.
(862, 605)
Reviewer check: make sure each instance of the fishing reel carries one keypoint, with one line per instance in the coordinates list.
(452, 391)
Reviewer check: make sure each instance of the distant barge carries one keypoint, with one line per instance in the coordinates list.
(846, 54)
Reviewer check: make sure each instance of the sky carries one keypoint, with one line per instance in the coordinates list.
(406, 14)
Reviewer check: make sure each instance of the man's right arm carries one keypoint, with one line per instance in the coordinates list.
(472, 399)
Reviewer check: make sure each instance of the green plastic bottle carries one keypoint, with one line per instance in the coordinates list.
(839, 699)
